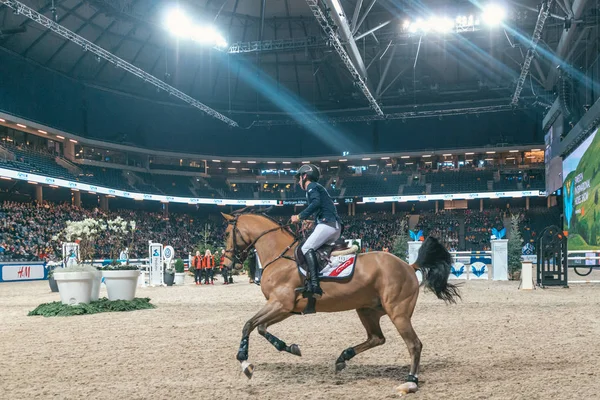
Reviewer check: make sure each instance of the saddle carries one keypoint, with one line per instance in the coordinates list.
(325, 252)
(331, 264)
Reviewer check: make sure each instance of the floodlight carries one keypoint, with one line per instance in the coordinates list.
(208, 35)
(178, 23)
(441, 25)
(493, 14)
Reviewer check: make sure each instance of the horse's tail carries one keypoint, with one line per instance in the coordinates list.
(435, 262)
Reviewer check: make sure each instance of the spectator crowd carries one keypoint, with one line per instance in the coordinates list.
(30, 232)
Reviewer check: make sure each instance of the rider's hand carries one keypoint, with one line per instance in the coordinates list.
(295, 219)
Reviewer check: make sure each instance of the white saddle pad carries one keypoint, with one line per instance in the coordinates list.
(340, 267)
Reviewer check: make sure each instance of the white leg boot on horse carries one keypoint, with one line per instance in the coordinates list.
(381, 284)
(414, 345)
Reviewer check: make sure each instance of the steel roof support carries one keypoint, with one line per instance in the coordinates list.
(537, 34)
(392, 116)
(356, 27)
(61, 19)
(345, 34)
(378, 27)
(20, 8)
(115, 49)
(356, 13)
(337, 44)
(385, 72)
(565, 40)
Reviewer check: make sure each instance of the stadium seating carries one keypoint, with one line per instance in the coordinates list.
(462, 181)
(38, 161)
(411, 190)
(108, 177)
(217, 185)
(173, 185)
(368, 185)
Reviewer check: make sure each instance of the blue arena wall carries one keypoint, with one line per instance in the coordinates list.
(37, 94)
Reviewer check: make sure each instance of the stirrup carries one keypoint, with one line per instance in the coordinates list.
(310, 306)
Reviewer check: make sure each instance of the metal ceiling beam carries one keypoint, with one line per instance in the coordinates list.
(42, 10)
(82, 56)
(337, 44)
(398, 76)
(356, 14)
(115, 49)
(275, 45)
(66, 42)
(535, 38)
(216, 80)
(122, 39)
(367, 11)
(339, 19)
(564, 43)
(137, 54)
(385, 72)
(393, 116)
(378, 27)
(21, 8)
(538, 68)
(60, 20)
(287, 13)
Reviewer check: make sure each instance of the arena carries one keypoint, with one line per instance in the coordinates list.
(498, 343)
(224, 199)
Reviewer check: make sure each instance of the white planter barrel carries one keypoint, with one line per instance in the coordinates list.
(74, 287)
(96, 286)
(179, 278)
(121, 285)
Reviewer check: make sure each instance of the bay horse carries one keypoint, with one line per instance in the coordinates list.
(382, 284)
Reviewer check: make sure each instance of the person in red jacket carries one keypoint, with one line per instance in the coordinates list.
(197, 264)
(208, 263)
(223, 267)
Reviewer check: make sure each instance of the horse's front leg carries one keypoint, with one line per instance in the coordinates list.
(274, 311)
(275, 341)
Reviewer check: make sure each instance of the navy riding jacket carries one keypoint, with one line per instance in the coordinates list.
(320, 205)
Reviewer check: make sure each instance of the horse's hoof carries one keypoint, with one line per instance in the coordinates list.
(247, 369)
(406, 388)
(295, 350)
(339, 366)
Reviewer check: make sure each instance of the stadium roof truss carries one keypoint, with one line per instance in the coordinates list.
(347, 56)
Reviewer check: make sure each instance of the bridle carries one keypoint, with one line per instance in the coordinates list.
(238, 257)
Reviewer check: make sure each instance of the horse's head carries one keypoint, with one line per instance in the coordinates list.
(237, 240)
(242, 233)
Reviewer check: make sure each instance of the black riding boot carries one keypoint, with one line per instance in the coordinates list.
(313, 271)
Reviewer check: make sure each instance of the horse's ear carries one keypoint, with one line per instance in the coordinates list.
(228, 217)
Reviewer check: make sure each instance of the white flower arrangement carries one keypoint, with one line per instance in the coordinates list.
(81, 229)
(87, 230)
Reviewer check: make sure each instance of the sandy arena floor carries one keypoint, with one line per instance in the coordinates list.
(499, 343)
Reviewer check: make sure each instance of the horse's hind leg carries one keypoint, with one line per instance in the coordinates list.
(370, 320)
(275, 341)
(404, 327)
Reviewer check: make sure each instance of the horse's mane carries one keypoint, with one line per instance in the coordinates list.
(262, 212)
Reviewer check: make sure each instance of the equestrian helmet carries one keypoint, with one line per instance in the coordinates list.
(312, 172)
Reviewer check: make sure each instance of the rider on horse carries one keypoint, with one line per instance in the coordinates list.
(328, 224)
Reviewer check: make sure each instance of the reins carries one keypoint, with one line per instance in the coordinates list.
(240, 258)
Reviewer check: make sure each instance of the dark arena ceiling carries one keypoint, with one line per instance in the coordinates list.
(277, 51)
